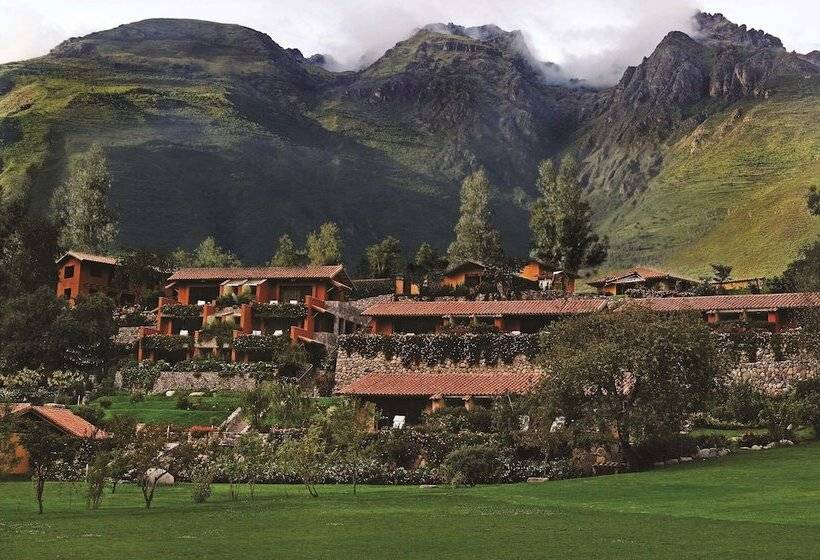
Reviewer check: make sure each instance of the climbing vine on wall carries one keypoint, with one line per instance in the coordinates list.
(433, 349)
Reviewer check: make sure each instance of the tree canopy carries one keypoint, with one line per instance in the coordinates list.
(325, 246)
(475, 238)
(81, 205)
(287, 254)
(560, 219)
(635, 373)
(207, 253)
(384, 258)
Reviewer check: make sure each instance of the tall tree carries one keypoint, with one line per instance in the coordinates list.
(720, 274)
(325, 245)
(207, 253)
(384, 258)
(560, 219)
(287, 254)
(475, 237)
(81, 205)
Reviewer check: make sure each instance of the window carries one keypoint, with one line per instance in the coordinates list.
(67, 293)
(68, 272)
(294, 293)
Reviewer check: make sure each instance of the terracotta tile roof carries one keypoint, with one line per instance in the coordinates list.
(566, 306)
(62, 418)
(267, 272)
(447, 384)
(729, 303)
(88, 257)
(645, 272)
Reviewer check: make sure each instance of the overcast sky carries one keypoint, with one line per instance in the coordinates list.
(592, 39)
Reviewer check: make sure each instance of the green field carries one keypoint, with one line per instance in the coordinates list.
(750, 505)
(161, 410)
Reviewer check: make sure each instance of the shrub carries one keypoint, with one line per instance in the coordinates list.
(184, 401)
(471, 465)
(201, 479)
(749, 439)
(105, 402)
(137, 396)
(91, 412)
(741, 403)
(398, 447)
(708, 441)
(457, 418)
(662, 448)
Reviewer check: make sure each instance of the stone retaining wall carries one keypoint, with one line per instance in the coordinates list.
(774, 377)
(201, 381)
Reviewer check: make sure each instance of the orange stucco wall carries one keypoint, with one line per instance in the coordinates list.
(460, 276)
(82, 283)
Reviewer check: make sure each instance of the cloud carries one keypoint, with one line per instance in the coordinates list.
(590, 39)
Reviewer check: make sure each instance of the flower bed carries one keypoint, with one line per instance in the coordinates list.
(182, 311)
(166, 342)
(279, 310)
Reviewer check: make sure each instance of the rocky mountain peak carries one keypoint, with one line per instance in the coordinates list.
(716, 29)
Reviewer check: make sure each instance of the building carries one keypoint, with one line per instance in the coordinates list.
(773, 311)
(641, 277)
(303, 303)
(752, 284)
(548, 276)
(526, 316)
(57, 417)
(82, 274)
(468, 273)
(409, 395)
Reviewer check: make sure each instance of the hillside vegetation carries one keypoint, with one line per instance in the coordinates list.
(699, 154)
(732, 191)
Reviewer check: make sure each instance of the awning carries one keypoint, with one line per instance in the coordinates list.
(233, 283)
(254, 283)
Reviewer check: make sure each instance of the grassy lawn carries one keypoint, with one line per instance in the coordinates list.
(159, 409)
(750, 505)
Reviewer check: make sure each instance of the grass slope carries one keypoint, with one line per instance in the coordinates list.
(732, 191)
(751, 505)
(162, 410)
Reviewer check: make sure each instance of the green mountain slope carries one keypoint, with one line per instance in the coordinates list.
(731, 191)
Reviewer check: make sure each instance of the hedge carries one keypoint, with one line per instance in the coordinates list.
(433, 349)
(182, 311)
(166, 342)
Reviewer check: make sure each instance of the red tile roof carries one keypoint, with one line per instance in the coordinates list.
(447, 384)
(88, 257)
(645, 272)
(258, 272)
(62, 418)
(565, 306)
(729, 303)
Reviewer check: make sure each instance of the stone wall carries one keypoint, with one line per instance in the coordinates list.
(201, 381)
(350, 367)
(773, 376)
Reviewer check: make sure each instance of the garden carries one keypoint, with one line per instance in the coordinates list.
(745, 505)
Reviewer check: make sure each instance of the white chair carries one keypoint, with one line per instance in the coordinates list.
(257, 333)
(200, 302)
(515, 332)
(278, 332)
(274, 302)
(183, 332)
(294, 301)
(398, 421)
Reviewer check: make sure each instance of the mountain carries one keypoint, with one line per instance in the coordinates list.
(699, 153)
